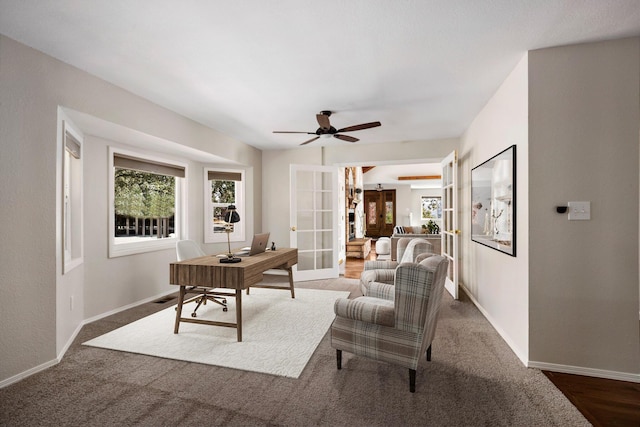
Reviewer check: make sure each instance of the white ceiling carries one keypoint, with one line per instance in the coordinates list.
(246, 68)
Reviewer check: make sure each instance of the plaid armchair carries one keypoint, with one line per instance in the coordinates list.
(409, 250)
(394, 324)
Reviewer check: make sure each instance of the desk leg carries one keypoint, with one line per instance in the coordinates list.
(239, 313)
(179, 308)
(290, 271)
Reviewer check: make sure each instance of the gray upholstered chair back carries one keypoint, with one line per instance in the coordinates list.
(420, 246)
(439, 265)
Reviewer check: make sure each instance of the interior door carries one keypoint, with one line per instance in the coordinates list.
(380, 211)
(450, 229)
(314, 221)
(373, 213)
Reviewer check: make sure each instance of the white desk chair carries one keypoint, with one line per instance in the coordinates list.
(188, 249)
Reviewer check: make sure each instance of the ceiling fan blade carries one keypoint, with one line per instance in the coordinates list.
(311, 140)
(289, 131)
(323, 121)
(360, 127)
(346, 138)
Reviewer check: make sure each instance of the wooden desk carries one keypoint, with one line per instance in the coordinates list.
(203, 273)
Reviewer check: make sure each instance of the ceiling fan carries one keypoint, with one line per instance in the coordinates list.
(328, 130)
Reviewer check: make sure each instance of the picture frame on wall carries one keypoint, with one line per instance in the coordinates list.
(493, 202)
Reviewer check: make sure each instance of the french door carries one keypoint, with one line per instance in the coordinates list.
(314, 221)
(450, 229)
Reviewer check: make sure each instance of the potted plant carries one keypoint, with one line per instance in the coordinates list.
(432, 227)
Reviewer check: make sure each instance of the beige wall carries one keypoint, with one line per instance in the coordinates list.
(34, 305)
(498, 282)
(584, 109)
(276, 194)
(390, 153)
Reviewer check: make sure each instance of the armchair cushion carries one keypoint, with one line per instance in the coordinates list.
(380, 265)
(366, 309)
(369, 276)
(382, 291)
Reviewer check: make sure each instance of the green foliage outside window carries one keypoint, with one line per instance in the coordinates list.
(144, 195)
(223, 194)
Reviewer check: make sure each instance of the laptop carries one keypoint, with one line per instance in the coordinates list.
(258, 245)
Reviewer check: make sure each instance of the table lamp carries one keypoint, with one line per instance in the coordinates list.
(230, 217)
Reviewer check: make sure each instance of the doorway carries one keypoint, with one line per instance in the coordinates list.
(380, 212)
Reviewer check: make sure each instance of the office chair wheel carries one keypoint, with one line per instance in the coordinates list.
(194, 314)
(224, 309)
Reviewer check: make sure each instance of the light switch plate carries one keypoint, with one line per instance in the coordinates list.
(579, 211)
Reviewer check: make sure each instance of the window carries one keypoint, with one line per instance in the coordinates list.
(431, 207)
(222, 188)
(146, 203)
(72, 197)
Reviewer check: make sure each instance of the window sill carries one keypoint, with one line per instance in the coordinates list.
(151, 245)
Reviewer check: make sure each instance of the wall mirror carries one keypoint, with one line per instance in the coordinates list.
(493, 202)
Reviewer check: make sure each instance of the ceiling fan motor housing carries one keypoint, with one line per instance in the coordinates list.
(323, 131)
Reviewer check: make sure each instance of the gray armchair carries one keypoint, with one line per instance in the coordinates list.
(394, 324)
(408, 250)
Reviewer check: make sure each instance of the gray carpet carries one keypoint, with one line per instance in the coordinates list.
(473, 379)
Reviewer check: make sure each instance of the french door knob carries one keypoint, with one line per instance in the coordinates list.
(293, 228)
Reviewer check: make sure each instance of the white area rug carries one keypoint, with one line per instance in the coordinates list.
(279, 334)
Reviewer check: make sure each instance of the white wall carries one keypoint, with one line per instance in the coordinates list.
(432, 151)
(37, 328)
(275, 193)
(583, 131)
(497, 282)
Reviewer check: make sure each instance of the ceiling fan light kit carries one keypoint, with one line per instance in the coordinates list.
(326, 130)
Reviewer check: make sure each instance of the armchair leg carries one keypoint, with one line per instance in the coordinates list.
(339, 358)
(412, 380)
(429, 354)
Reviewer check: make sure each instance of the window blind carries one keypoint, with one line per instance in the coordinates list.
(72, 145)
(127, 162)
(224, 176)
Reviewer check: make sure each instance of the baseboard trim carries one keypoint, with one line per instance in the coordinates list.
(50, 363)
(520, 355)
(589, 372)
(544, 366)
(128, 306)
(28, 373)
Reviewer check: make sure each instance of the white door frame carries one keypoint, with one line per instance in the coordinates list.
(314, 221)
(450, 231)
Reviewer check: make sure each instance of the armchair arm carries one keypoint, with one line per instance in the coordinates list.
(365, 311)
(382, 291)
(423, 256)
(380, 265)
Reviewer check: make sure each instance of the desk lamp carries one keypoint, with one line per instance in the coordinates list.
(230, 217)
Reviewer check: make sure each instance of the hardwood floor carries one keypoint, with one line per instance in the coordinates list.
(354, 266)
(603, 402)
